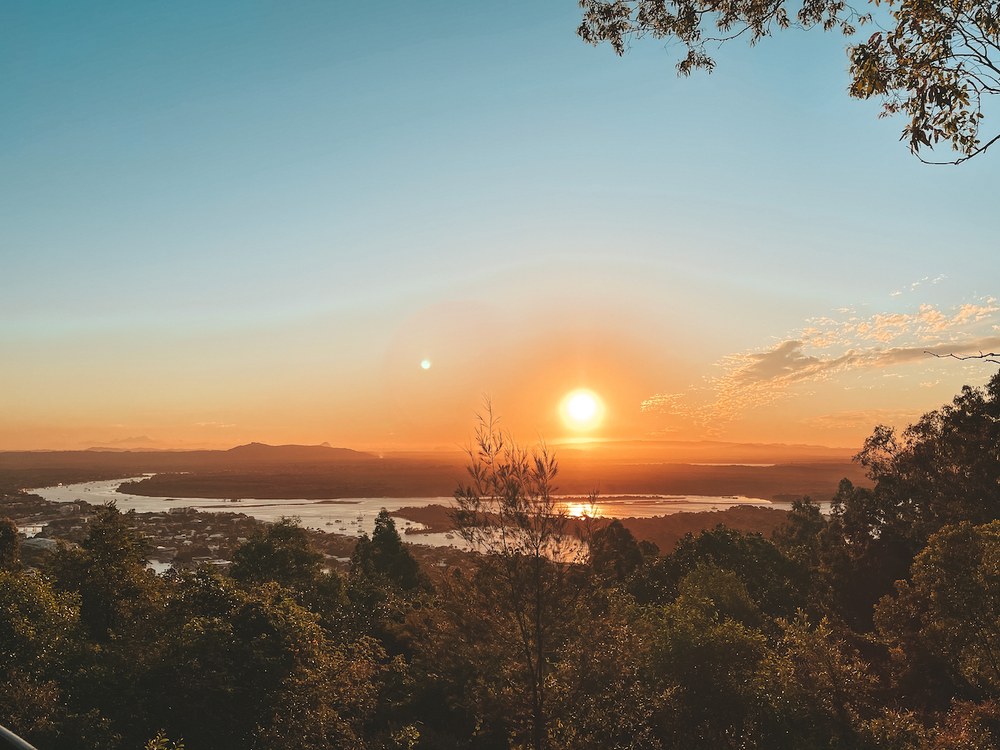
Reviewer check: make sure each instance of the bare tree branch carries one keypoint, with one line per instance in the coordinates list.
(985, 357)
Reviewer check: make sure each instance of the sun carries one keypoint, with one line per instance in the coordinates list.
(582, 410)
(582, 407)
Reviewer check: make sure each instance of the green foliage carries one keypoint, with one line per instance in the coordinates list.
(957, 580)
(10, 546)
(385, 556)
(243, 667)
(934, 65)
(462, 659)
(773, 581)
(966, 726)
(108, 571)
(724, 591)
(943, 470)
(598, 696)
(384, 584)
(36, 622)
(689, 21)
(38, 631)
(281, 553)
(861, 559)
(717, 676)
(160, 742)
(277, 553)
(826, 683)
(797, 538)
(923, 676)
(615, 554)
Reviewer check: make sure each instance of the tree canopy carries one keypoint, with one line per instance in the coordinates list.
(936, 63)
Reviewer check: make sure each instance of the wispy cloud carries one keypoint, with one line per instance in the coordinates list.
(926, 279)
(826, 347)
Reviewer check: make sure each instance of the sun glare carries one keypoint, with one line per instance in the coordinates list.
(582, 407)
(582, 410)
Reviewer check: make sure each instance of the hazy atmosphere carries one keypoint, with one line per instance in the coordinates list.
(347, 223)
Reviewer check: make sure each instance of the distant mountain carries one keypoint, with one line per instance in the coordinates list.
(295, 453)
(144, 460)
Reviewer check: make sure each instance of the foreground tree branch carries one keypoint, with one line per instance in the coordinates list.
(936, 65)
(984, 356)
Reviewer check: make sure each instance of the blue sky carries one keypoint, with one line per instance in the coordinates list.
(223, 221)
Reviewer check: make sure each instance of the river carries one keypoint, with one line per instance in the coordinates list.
(353, 516)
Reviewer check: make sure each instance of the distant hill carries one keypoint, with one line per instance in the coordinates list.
(295, 453)
(21, 468)
(703, 451)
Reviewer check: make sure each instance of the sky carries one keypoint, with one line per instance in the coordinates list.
(224, 222)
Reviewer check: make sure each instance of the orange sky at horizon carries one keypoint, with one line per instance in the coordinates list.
(440, 364)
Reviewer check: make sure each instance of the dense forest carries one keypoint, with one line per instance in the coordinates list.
(876, 626)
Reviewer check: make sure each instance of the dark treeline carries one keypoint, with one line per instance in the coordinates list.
(877, 626)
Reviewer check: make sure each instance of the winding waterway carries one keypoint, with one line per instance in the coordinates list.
(354, 516)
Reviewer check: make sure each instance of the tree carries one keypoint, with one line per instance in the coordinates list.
(716, 673)
(10, 546)
(797, 537)
(279, 552)
(597, 687)
(943, 470)
(615, 554)
(943, 631)
(826, 681)
(243, 667)
(385, 555)
(935, 64)
(109, 572)
(509, 514)
(959, 574)
(38, 632)
(773, 581)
